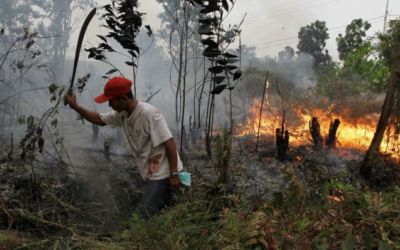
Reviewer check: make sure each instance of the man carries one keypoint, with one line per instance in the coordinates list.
(147, 132)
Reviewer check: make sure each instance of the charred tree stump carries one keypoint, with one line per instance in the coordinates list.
(107, 153)
(282, 143)
(192, 132)
(185, 138)
(10, 153)
(315, 131)
(330, 141)
(95, 134)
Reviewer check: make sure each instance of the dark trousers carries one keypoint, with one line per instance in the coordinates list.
(157, 195)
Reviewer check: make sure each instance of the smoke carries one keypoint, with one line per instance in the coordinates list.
(298, 70)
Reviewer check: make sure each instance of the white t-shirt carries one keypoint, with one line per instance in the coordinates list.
(146, 130)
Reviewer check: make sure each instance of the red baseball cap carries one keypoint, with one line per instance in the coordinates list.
(114, 87)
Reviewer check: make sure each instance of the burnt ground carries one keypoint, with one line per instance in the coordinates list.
(316, 166)
(46, 196)
(97, 196)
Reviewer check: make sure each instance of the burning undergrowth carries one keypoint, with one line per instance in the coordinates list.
(357, 119)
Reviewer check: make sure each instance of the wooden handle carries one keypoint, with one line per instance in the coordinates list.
(69, 92)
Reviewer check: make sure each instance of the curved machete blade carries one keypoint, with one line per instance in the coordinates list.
(79, 44)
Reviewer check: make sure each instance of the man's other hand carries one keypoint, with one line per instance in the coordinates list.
(174, 182)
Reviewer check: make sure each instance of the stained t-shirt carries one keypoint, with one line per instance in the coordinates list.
(146, 130)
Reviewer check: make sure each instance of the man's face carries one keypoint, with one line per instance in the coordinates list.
(118, 103)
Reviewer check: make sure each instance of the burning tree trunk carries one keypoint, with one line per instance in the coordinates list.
(261, 109)
(282, 142)
(315, 131)
(382, 123)
(330, 141)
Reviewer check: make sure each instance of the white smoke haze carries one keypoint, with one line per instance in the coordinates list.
(294, 76)
(298, 70)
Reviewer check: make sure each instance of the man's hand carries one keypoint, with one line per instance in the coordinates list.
(70, 98)
(174, 182)
(154, 164)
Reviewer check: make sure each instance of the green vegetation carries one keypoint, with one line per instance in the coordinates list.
(336, 215)
(330, 217)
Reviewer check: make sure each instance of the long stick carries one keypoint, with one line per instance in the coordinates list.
(262, 104)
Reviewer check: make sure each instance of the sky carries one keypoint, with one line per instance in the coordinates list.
(270, 25)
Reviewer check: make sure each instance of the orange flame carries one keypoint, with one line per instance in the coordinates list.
(352, 133)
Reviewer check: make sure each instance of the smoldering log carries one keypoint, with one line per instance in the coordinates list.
(330, 141)
(315, 131)
(282, 143)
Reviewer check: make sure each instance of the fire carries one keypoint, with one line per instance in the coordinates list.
(352, 133)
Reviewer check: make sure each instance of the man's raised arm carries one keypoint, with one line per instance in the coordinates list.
(90, 116)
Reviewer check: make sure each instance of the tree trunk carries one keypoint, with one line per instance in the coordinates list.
(282, 143)
(330, 141)
(95, 133)
(315, 132)
(261, 108)
(373, 149)
(107, 153)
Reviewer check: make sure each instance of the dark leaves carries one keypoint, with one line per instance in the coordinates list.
(209, 20)
(200, 2)
(99, 57)
(210, 26)
(225, 5)
(29, 44)
(105, 46)
(216, 69)
(108, 9)
(130, 64)
(222, 61)
(209, 42)
(102, 38)
(218, 79)
(205, 29)
(149, 31)
(209, 9)
(20, 65)
(229, 55)
(123, 22)
(35, 54)
(94, 52)
(233, 60)
(111, 71)
(82, 81)
(218, 89)
(211, 52)
(237, 75)
(230, 67)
